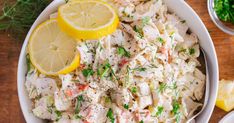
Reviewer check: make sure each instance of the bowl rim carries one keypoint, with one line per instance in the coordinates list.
(54, 4)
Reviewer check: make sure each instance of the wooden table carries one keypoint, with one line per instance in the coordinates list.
(10, 50)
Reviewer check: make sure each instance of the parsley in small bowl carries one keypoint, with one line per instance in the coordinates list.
(224, 10)
(222, 14)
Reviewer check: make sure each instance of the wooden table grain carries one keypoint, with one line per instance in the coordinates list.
(10, 111)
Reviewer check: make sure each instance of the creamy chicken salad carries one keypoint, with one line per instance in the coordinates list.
(145, 72)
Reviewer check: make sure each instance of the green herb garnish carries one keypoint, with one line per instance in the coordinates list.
(18, 18)
(58, 115)
(145, 20)
(87, 72)
(134, 90)
(224, 10)
(159, 39)
(141, 121)
(29, 65)
(77, 116)
(174, 86)
(176, 107)
(175, 110)
(139, 69)
(183, 21)
(191, 51)
(159, 110)
(177, 116)
(162, 87)
(127, 78)
(138, 31)
(50, 109)
(103, 69)
(126, 106)
(110, 115)
(99, 46)
(78, 104)
(123, 52)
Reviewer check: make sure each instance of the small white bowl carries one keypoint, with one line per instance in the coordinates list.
(181, 8)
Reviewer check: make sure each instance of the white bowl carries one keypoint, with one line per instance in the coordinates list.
(181, 8)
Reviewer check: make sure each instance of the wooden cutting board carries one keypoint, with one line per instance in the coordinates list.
(10, 49)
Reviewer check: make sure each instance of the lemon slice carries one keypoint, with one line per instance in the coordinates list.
(52, 51)
(225, 99)
(87, 19)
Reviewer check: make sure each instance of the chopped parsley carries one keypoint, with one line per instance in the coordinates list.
(77, 116)
(177, 117)
(127, 78)
(110, 115)
(159, 110)
(103, 69)
(99, 46)
(134, 90)
(141, 121)
(191, 51)
(78, 104)
(162, 87)
(139, 69)
(126, 106)
(112, 74)
(175, 110)
(159, 39)
(106, 69)
(58, 114)
(183, 21)
(87, 72)
(145, 20)
(224, 10)
(176, 107)
(29, 65)
(174, 86)
(50, 109)
(123, 52)
(138, 31)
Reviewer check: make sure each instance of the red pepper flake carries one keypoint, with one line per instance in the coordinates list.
(82, 87)
(123, 62)
(69, 93)
(85, 121)
(82, 66)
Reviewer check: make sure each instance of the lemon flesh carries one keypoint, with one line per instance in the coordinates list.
(52, 51)
(225, 99)
(88, 19)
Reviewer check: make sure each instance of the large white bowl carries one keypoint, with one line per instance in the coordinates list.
(181, 8)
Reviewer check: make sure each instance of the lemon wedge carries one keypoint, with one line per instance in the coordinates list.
(52, 51)
(225, 99)
(87, 19)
